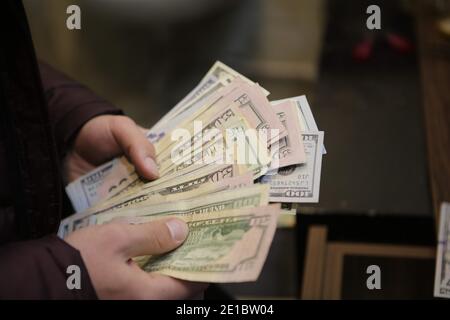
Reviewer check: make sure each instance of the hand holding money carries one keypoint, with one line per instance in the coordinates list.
(107, 250)
(105, 137)
(223, 153)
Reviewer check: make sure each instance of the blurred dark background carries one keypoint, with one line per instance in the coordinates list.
(145, 55)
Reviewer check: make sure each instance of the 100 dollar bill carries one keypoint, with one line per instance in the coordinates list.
(299, 183)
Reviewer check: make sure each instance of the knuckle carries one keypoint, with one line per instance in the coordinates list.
(129, 149)
(158, 243)
(161, 239)
(151, 150)
(161, 243)
(123, 119)
(121, 122)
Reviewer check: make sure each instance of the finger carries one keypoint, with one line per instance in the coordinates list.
(144, 130)
(135, 146)
(155, 237)
(169, 288)
(161, 287)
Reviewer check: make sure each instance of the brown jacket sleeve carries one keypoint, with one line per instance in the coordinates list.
(37, 269)
(70, 105)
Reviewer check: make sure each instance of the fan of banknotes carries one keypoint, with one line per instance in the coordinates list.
(227, 158)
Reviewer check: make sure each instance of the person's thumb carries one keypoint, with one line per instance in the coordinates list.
(135, 145)
(155, 237)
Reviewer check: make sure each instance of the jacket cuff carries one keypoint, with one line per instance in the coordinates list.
(70, 105)
(38, 269)
(68, 126)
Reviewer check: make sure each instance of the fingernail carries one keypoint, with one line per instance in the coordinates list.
(151, 166)
(178, 229)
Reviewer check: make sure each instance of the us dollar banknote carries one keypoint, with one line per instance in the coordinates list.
(190, 181)
(227, 246)
(442, 276)
(218, 76)
(306, 119)
(299, 183)
(251, 196)
(101, 183)
(288, 150)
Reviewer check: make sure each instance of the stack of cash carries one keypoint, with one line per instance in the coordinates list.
(224, 153)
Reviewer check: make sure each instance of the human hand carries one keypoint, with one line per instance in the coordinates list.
(107, 251)
(105, 137)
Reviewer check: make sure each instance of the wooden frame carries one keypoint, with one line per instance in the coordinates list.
(314, 263)
(324, 261)
(332, 283)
